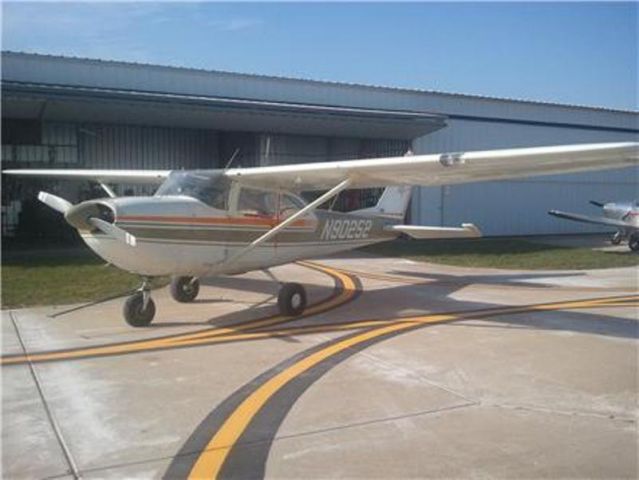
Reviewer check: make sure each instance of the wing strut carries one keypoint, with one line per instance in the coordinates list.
(280, 226)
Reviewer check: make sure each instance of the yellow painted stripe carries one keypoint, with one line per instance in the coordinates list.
(415, 281)
(210, 462)
(212, 458)
(348, 291)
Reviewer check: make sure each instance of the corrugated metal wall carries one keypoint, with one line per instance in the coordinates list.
(121, 146)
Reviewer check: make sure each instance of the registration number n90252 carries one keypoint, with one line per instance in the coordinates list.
(337, 229)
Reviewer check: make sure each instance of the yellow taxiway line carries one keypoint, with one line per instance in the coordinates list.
(212, 458)
(348, 291)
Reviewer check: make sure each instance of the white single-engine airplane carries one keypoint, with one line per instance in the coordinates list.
(213, 222)
(624, 216)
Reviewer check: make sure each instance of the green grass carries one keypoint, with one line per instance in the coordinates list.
(57, 279)
(54, 278)
(504, 253)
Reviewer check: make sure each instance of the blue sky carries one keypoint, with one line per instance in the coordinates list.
(583, 53)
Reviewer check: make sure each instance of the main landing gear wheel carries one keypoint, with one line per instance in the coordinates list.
(616, 239)
(292, 299)
(184, 289)
(137, 311)
(633, 242)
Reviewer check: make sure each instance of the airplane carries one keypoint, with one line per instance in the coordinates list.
(230, 221)
(624, 216)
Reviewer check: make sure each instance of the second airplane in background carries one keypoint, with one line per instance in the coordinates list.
(624, 216)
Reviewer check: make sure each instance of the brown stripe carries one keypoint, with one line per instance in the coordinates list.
(246, 220)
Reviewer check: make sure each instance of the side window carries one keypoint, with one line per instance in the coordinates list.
(256, 202)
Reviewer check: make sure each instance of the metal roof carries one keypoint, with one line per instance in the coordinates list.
(92, 104)
(327, 82)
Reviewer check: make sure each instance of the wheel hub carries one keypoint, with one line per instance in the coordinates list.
(296, 300)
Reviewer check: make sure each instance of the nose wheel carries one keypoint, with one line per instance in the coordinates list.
(139, 308)
(291, 299)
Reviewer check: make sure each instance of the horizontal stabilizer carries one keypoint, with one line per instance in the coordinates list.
(467, 230)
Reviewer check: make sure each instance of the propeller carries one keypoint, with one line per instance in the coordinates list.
(596, 204)
(78, 216)
(114, 231)
(58, 204)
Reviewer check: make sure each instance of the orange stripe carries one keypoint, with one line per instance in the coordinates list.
(269, 222)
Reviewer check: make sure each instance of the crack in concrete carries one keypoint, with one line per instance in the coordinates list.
(73, 469)
(554, 411)
(298, 435)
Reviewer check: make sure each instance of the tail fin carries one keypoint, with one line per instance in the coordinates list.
(392, 203)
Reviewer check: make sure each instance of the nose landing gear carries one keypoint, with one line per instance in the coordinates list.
(139, 308)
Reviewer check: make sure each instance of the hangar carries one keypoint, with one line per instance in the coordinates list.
(64, 112)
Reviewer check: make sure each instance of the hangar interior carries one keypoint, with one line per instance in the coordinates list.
(61, 112)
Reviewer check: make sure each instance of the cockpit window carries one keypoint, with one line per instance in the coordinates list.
(210, 190)
(257, 202)
(288, 205)
(267, 203)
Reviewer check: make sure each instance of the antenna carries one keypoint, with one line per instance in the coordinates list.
(228, 164)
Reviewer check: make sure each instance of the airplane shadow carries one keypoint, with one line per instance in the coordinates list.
(265, 307)
(443, 287)
(434, 295)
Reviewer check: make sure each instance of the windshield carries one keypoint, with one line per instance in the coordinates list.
(212, 190)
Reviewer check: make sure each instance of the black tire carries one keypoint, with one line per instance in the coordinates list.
(616, 239)
(184, 289)
(292, 299)
(633, 242)
(134, 313)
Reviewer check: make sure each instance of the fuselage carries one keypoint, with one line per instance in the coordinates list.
(180, 235)
(627, 212)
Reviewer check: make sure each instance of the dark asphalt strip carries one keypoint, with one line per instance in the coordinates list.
(248, 457)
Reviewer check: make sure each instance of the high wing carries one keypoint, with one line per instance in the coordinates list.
(441, 169)
(104, 176)
(596, 220)
(434, 169)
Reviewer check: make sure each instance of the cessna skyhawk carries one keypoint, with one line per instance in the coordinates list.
(214, 222)
(624, 216)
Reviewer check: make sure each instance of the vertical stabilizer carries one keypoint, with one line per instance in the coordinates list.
(393, 203)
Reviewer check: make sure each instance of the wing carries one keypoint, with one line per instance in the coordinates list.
(441, 169)
(596, 220)
(107, 176)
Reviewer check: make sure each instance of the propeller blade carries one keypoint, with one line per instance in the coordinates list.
(596, 204)
(58, 204)
(114, 231)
